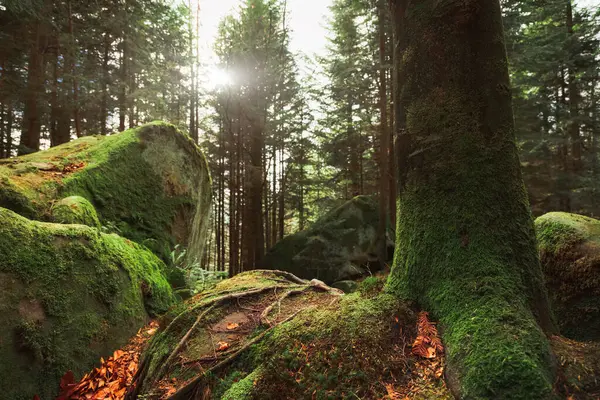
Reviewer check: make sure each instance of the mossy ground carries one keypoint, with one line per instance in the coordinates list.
(68, 294)
(569, 247)
(335, 347)
(150, 184)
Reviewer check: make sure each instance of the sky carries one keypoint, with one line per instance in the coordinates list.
(307, 20)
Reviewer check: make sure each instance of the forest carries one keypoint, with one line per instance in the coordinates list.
(410, 215)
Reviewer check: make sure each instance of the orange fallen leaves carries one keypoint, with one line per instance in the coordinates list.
(428, 343)
(222, 346)
(72, 167)
(232, 325)
(114, 376)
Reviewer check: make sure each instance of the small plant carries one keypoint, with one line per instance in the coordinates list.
(110, 227)
(197, 278)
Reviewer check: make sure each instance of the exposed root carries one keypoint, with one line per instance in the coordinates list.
(190, 390)
(267, 310)
(182, 342)
(284, 274)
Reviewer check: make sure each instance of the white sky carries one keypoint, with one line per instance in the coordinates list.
(306, 20)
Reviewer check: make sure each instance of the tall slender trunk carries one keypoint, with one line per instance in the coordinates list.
(574, 95)
(32, 119)
(105, 77)
(3, 130)
(9, 129)
(72, 57)
(353, 150)
(468, 252)
(385, 140)
(124, 72)
(282, 193)
(54, 106)
(193, 131)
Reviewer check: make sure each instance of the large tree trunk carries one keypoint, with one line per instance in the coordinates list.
(466, 246)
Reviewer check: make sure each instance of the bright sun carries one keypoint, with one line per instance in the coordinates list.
(218, 77)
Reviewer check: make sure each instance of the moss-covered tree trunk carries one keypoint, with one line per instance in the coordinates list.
(465, 240)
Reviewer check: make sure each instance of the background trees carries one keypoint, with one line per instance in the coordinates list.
(289, 137)
(70, 68)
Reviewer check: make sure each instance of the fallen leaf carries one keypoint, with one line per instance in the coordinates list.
(222, 346)
(232, 325)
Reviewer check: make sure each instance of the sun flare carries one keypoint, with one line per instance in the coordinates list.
(217, 77)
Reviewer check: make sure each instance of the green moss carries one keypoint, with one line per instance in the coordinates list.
(68, 295)
(332, 352)
(569, 246)
(150, 183)
(243, 389)
(75, 210)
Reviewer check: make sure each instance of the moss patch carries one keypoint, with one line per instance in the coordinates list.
(569, 246)
(68, 295)
(75, 210)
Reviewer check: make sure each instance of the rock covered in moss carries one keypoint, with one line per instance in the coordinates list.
(68, 295)
(569, 247)
(340, 246)
(150, 184)
(346, 286)
(264, 342)
(75, 210)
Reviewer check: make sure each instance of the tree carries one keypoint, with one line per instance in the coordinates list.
(468, 252)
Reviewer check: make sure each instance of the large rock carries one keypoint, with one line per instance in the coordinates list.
(340, 246)
(69, 294)
(150, 184)
(569, 247)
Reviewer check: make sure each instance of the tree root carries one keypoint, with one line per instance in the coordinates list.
(182, 342)
(267, 310)
(189, 391)
(211, 304)
(284, 274)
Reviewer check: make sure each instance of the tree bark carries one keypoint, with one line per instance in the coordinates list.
(467, 250)
(72, 56)
(574, 125)
(32, 119)
(105, 78)
(383, 167)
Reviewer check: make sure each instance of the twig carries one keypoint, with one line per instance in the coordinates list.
(188, 390)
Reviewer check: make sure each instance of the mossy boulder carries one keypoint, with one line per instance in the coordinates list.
(569, 246)
(75, 210)
(69, 294)
(150, 184)
(342, 245)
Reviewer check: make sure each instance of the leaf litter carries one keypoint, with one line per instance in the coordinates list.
(114, 376)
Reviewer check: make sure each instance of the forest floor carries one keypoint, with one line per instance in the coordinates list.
(413, 355)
